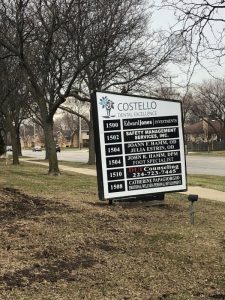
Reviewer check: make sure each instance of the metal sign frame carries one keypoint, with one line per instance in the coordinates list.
(139, 145)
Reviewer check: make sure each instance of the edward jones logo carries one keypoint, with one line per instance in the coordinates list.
(108, 105)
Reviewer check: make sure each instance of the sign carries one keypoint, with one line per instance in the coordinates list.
(139, 145)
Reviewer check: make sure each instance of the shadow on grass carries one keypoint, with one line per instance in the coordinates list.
(104, 204)
(19, 205)
(62, 269)
(152, 204)
(50, 264)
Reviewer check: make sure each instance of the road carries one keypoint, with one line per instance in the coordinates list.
(67, 155)
(208, 165)
(195, 164)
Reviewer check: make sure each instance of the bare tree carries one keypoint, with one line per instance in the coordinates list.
(185, 97)
(202, 25)
(76, 113)
(187, 106)
(35, 32)
(132, 58)
(49, 37)
(67, 124)
(65, 46)
(13, 102)
(209, 104)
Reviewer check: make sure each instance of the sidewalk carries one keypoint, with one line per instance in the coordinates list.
(206, 193)
(90, 172)
(203, 193)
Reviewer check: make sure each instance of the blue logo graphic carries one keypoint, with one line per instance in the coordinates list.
(108, 104)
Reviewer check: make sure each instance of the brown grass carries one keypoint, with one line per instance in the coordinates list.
(57, 241)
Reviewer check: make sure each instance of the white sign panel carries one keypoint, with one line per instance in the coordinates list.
(140, 146)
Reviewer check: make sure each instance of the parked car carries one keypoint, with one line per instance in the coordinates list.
(36, 148)
(57, 148)
(8, 148)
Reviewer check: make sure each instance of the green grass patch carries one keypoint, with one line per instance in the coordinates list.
(207, 181)
(57, 241)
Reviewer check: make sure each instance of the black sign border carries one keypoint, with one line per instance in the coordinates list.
(142, 197)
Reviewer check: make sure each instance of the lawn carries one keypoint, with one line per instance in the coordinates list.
(76, 164)
(57, 241)
(207, 181)
(210, 153)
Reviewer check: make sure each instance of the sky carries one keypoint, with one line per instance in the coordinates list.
(164, 19)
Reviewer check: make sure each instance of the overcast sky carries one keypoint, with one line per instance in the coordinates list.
(164, 19)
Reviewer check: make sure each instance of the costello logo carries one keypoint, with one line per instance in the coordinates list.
(108, 104)
(144, 105)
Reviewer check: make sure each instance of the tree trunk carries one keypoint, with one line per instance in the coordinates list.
(50, 149)
(2, 144)
(18, 141)
(91, 159)
(46, 148)
(14, 146)
(223, 133)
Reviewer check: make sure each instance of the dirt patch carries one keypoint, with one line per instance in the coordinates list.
(51, 272)
(16, 204)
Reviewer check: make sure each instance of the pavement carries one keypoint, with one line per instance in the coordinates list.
(84, 171)
(203, 193)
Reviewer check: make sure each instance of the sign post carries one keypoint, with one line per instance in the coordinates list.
(139, 146)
